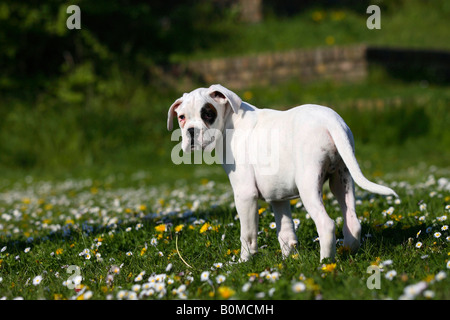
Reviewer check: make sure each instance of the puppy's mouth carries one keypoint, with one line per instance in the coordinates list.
(195, 145)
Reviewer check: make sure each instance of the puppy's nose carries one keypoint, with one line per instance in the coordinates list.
(192, 133)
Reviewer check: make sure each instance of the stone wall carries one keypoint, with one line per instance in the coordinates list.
(335, 63)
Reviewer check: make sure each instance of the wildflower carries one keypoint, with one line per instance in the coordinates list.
(391, 274)
(205, 227)
(160, 287)
(59, 251)
(411, 291)
(441, 276)
(132, 295)
(298, 287)
(218, 265)
(3, 249)
(448, 264)
(271, 292)
(442, 218)
(128, 229)
(153, 241)
(37, 280)
(418, 233)
(444, 228)
(138, 278)
(87, 256)
(161, 228)
(179, 227)
(296, 223)
(418, 245)
(389, 223)
(136, 288)
(429, 294)
(122, 294)
(248, 95)
(27, 250)
(226, 292)
(329, 267)
(246, 286)
(274, 276)
(220, 278)
(272, 225)
(160, 277)
(204, 276)
(437, 235)
(428, 230)
(86, 296)
(318, 16)
(129, 254)
(114, 269)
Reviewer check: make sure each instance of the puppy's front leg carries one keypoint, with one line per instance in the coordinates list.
(247, 208)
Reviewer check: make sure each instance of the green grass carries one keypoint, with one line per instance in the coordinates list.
(414, 24)
(57, 220)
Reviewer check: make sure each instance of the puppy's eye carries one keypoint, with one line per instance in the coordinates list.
(208, 113)
(181, 117)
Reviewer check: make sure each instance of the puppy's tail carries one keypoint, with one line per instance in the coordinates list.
(343, 140)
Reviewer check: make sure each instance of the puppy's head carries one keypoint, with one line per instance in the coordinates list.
(201, 114)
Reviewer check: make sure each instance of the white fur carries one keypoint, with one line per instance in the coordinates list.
(307, 145)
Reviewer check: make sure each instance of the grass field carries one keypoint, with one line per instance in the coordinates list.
(131, 239)
(91, 207)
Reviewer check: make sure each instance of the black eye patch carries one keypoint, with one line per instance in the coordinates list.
(208, 113)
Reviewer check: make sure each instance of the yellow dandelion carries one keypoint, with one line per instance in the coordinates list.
(59, 251)
(329, 267)
(179, 227)
(248, 95)
(205, 227)
(225, 292)
(318, 16)
(337, 15)
(161, 228)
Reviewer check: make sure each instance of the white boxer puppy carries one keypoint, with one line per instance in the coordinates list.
(307, 145)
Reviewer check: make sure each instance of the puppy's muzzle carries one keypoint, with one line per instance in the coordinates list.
(193, 134)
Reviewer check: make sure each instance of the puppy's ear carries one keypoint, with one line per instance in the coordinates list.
(222, 95)
(171, 113)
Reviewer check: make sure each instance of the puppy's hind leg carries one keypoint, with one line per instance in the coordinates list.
(343, 188)
(285, 226)
(309, 184)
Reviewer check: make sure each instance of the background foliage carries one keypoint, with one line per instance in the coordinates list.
(98, 96)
